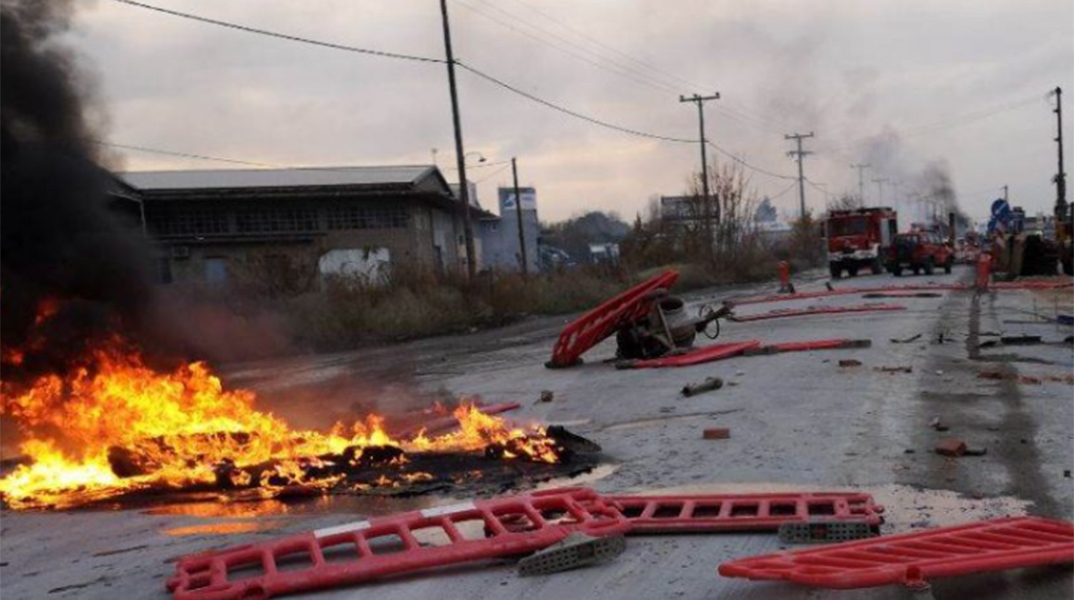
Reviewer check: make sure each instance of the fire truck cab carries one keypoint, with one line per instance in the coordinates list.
(859, 239)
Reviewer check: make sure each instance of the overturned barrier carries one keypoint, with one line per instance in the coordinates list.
(596, 325)
(914, 558)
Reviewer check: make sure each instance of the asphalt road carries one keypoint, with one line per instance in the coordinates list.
(797, 421)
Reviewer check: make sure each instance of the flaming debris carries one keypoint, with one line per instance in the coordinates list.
(114, 425)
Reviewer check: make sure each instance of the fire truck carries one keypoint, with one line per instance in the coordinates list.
(859, 239)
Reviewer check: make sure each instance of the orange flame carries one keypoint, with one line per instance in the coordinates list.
(175, 429)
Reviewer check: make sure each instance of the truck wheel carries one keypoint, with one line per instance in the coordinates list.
(877, 267)
(852, 271)
(917, 270)
(897, 271)
(948, 265)
(1068, 266)
(930, 266)
(835, 270)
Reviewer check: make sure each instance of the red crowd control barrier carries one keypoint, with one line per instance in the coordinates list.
(392, 545)
(816, 310)
(693, 357)
(742, 512)
(912, 558)
(592, 327)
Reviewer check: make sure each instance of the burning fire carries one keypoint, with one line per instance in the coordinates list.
(116, 425)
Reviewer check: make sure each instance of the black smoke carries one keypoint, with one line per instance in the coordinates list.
(64, 238)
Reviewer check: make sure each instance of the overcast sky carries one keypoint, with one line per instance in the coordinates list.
(898, 83)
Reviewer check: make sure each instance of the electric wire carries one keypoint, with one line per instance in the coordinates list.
(620, 71)
(282, 36)
(185, 154)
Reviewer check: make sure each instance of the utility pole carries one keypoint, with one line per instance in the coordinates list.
(895, 192)
(518, 215)
(1005, 191)
(460, 156)
(798, 155)
(707, 202)
(880, 181)
(861, 181)
(1060, 174)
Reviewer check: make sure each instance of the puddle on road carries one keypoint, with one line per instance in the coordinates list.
(671, 418)
(370, 506)
(224, 528)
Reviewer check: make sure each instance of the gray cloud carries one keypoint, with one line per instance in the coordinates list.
(848, 70)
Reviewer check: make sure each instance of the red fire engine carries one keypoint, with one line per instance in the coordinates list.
(859, 239)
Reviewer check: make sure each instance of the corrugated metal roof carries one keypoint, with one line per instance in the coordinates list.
(274, 178)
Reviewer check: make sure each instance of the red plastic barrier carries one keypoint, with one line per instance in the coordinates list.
(591, 328)
(367, 550)
(913, 558)
(742, 512)
(816, 310)
(694, 357)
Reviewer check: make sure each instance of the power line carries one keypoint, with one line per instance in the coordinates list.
(486, 165)
(749, 166)
(601, 44)
(784, 192)
(282, 36)
(622, 71)
(185, 154)
(494, 173)
(570, 112)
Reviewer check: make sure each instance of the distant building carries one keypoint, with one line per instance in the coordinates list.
(502, 248)
(685, 211)
(604, 253)
(288, 227)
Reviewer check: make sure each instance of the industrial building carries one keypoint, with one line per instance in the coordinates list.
(292, 227)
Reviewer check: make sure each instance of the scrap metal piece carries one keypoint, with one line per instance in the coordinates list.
(825, 532)
(576, 550)
(911, 559)
(710, 384)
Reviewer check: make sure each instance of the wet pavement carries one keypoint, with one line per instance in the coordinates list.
(797, 421)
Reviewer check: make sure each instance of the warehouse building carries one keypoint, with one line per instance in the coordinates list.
(290, 228)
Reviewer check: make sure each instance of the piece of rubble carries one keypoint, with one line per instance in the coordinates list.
(710, 384)
(576, 550)
(849, 362)
(953, 447)
(894, 369)
(716, 433)
(912, 338)
(1020, 340)
(546, 396)
(974, 451)
(938, 425)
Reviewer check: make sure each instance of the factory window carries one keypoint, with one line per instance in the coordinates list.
(354, 217)
(260, 220)
(180, 221)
